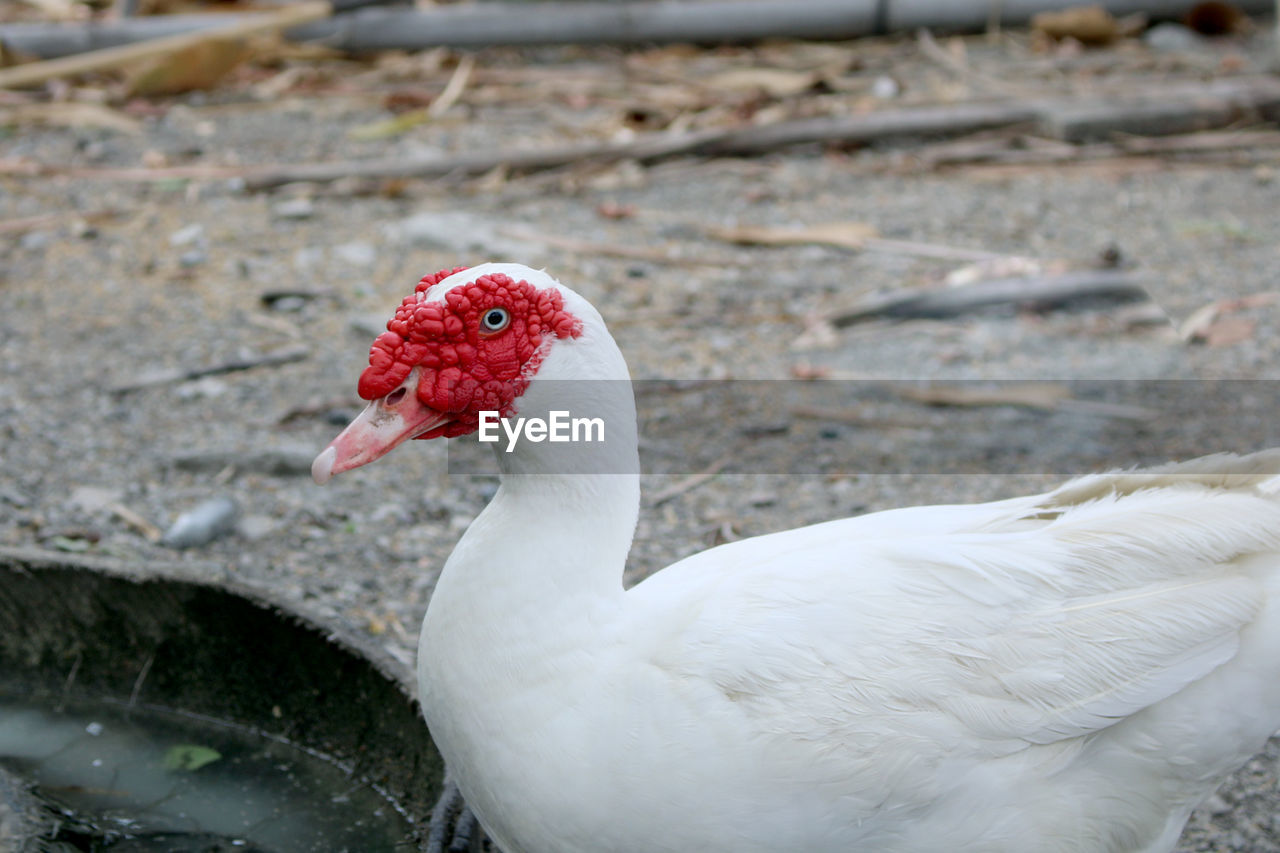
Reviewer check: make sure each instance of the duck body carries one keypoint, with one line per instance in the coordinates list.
(1073, 671)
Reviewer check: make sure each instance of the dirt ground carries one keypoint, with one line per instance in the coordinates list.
(123, 278)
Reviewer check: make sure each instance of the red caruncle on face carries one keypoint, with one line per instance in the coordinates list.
(465, 366)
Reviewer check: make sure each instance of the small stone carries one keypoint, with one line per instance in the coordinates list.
(192, 258)
(885, 88)
(35, 241)
(1264, 175)
(294, 208)
(356, 254)
(306, 260)
(255, 527)
(1169, 36)
(200, 526)
(289, 304)
(94, 498)
(13, 497)
(205, 388)
(187, 235)
(94, 729)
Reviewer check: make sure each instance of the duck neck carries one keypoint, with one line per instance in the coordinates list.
(533, 582)
(548, 552)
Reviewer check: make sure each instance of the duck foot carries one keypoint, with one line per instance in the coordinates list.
(453, 827)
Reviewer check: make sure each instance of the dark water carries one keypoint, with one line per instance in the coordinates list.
(148, 780)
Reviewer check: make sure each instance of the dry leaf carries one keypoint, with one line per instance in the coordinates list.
(843, 235)
(810, 372)
(384, 128)
(1086, 24)
(1032, 395)
(403, 100)
(1004, 266)
(817, 334)
(1228, 331)
(199, 67)
(1213, 325)
(615, 210)
(69, 114)
(774, 82)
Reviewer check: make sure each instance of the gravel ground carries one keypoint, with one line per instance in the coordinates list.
(177, 279)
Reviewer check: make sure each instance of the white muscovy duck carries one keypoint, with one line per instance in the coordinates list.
(1072, 671)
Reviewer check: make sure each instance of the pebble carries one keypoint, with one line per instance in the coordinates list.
(1172, 37)
(289, 304)
(255, 527)
(209, 521)
(193, 258)
(13, 497)
(306, 260)
(205, 388)
(187, 235)
(272, 461)
(294, 208)
(356, 254)
(35, 241)
(885, 88)
(94, 498)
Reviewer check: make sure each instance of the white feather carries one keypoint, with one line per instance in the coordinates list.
(1066, 672)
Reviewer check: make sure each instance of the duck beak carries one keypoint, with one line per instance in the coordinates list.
(383, 424)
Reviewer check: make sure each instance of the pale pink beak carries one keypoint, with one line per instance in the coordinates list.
(383, 424)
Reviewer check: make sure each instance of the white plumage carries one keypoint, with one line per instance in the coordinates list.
(1072, 671)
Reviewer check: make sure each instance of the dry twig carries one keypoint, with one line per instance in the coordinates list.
(1044, 292)
(164, 377)
(689, 483)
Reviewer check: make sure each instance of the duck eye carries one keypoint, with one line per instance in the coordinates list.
(495, 319)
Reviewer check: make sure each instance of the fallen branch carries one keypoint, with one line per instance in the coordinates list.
(169, 375)
(1213, 324)
(852, 236)
(1042, 293)
(689, 483)
(49, 220)
(1261, 94)
(851, 417)
(918, 121)
(593, 248)
(1023, 151)
(1040, 396)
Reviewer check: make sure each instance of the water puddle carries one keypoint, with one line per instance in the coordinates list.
(143, 779)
